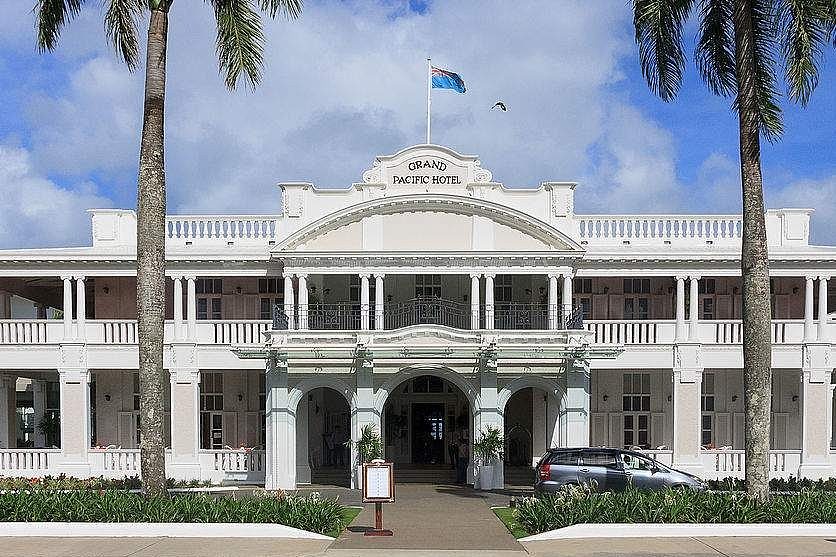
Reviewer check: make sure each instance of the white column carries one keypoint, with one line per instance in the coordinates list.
(289, 303)
(378, 302)
(694, 333)
(303, 301)
(687, 391)
(8, 412)
(81, 309)
(539, 407)
(474, 301)
(178, 307)
(39, 407)
(681, 333)
(191, 308)
(577, 403)
(489, 302)
(67, 307)
(822, 331)
(303, 466)
(490, 415)
(280, 451)
(566, 295)
(809, 323)
(364, 302)
(366, 414)
(185, 424)
(554, 313)
(75, 421)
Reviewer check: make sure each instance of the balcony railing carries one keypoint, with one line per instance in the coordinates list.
(729, 463)
(427, 311)
(659, 229)
(222, 229)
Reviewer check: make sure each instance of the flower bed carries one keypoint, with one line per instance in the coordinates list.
(776, 484)
(579, 505)
(310, 513)
(63, 482)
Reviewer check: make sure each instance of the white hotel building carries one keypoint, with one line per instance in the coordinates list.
(429, 301)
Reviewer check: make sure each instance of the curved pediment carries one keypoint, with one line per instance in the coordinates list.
(428, 223)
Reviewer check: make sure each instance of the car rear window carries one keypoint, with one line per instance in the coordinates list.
(565, 458)
(600, 458)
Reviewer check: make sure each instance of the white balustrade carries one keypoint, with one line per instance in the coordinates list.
(238, 460)
(27, 462)
(237, 229)
(118, 332)
(28, 331)
(115, 462)
(660, 455)
(631, 332)
(659, 229)
(784, 331)
(720, 464)
(239, 332)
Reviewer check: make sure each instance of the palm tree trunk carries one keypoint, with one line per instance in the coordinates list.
(150, 259)
(757, 347)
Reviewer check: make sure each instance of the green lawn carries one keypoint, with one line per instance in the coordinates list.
(506, 515)
(348, 516)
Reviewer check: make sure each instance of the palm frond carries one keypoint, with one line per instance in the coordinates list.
(715, 47)
(803, 28)
(120, 23)
(52, 15)
(291, 8)
(240, 41)
(658, 26)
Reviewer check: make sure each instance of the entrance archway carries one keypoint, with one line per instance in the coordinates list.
(425, 416)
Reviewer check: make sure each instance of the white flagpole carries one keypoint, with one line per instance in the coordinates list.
(429, 98)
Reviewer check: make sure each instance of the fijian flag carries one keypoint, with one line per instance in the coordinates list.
(442, 79)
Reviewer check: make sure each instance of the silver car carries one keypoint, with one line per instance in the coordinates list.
(608, 470)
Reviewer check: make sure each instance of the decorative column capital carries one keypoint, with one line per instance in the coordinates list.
(302, 276)
(475, 276)
(177, 276)
(379, 275)
(288, 275)
(66, 278)
(695, 277)
(366, 276)
(185, 375)
(74, 375)
(79, 277)
(553, 275)
(490, 275)
(824, 277)
(680, 278)
(189, 277)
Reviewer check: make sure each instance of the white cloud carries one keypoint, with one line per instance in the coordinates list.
(818, 194)
(35, 211)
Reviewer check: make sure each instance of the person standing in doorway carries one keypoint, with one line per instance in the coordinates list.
(463, 459)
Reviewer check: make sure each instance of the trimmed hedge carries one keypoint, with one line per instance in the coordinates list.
(310, 513)
(776, 484)
(578, 505)
(69, 482)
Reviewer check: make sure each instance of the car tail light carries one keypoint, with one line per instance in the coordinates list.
(544, 472)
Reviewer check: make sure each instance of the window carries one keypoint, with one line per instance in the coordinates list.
(208, 286)
(502, 289)
(428, 286)
(707, 407)
(209, 298)
(637, 430)
(211, 410)
(637, 286)
(707, 308)
(209, 308)
(428, 384)
(267, 305)
(600, 458)
(635, 462)
(635, 400)
(706, 286)
(582, 285)
(270, 286)
(564, 458)
(136, 392)
(636, 308)
(586, 307)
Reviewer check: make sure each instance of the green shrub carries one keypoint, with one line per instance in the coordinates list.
(307, 513)
(98, 483)
(776, 484)
(579, 505)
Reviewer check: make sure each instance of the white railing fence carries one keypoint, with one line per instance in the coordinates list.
(24, 331)
(256, 229)
(240, 332)
(631, 332)
(115, 462)
(616, 229)
(27, 462)
(720, 464)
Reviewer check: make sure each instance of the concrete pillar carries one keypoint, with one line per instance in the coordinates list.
(280, 451)
(303, 301)
(303, 466)
(39, 407)
(554, 312)
(191, 308)
(378, 302)
(81, 308)
(822, 331)
(364, 302)
(185, 424)
(67, 307)
(809, 326)
(816, 411)
(566, 295)
(687, 391)
(365, 414)
(539, 427)
(694, 333)
(178, 308)
(75, 421)
(489, 415)
(489, 302)
(681, 329)
(289, 304)
(8, 412)
(474, 301)
(577, 403)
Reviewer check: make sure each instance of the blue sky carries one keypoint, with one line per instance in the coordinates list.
(346, 83)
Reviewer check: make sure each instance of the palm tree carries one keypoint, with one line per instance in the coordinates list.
(240, 46)
(739, 46)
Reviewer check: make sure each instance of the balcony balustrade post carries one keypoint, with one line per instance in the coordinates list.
(694, 334)
(289, 303)
(489, 302)
(75, 420)
(67, 307)
(809, 324)
(81, 309)
(681, 333)
(178, 307)
(822, 329)
(191, 308)
(554, 314)
(567, 298)
(378, 302)
(474, 300)
(687, 391)
(185, 423)
(364, 302)
(303, 301)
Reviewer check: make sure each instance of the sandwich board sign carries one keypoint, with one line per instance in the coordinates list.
(378, 488)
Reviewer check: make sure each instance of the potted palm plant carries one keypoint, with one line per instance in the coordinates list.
(488, 451)
(368, 447)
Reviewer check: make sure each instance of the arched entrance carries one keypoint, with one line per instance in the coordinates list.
(425, 416)
(323, 426)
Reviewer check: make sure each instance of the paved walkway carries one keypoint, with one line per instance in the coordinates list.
(432, 517)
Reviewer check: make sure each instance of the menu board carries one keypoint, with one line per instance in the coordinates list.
(378, 482)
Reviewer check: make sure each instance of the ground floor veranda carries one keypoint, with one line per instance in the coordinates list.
(224, 428)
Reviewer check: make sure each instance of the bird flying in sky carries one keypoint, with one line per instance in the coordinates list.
(500, 105)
